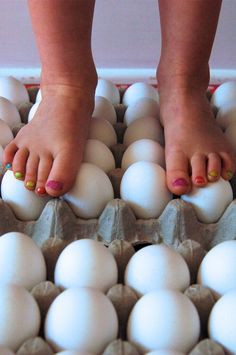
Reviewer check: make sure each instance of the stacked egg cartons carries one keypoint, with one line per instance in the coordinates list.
(127, 229)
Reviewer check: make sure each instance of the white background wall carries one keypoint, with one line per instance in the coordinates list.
(126, 34)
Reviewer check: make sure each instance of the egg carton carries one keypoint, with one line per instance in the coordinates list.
(119, 229)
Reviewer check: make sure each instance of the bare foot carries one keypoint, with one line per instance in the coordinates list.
(196, 150)
(47, 152)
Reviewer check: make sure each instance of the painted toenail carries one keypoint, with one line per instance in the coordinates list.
(199, 180)
(213, 173)
(229, 174)
(8, 166)
(41, 191)
(30, 184)
(55, 185)
(180, 182)
(19, 175)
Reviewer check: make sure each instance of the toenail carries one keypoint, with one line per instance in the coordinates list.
(30, 184)
(180, 182)
(41, 191)
(55, 185)
(213, 173)
(19, 175)
(8, 166)
(199, 180)
(229, 174)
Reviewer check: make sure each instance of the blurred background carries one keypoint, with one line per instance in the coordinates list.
(126, 41)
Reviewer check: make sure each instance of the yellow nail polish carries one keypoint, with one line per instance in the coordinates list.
(19, 175)
(30, 184)
(213, 173)
(229, 174)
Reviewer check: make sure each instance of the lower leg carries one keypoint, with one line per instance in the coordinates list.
(49, 149)
(196, 151)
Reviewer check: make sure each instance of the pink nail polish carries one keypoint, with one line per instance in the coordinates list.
(180, 182)
(55, 185)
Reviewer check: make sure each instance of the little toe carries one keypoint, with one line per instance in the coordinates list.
(44, 168)
(31, 171)
(213, 167)
(177, 173)
(228, 166)
(198, 165)
(62, 175)
(8, 154)
(19, 163)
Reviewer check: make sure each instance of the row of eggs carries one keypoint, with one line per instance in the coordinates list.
(162, 317)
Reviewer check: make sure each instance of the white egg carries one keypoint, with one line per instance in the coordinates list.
(147, 127)
(6, 135)
(157, 267)
(5, 351)
(163, 319)
(226, 115)
(219, 277)
(1, 154)
(222, 322)
(108, 90)
(224, 94)
(13, 90)
(104, 109)
(19, 316)
(103, 131)
(144, 107)
(90, 193)
(75, 352)
(33, 111)
(21, 260)
(143, 150)
(99, 154)
(9, 113)
(81, 319)
(230, 134)
(165, 352)
(143, 187)
(86, 263)
(25, 204)
(137, 91)
(39, 96)
(210, 202)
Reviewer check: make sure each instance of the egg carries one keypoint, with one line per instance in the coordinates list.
(224, 94)
(144, 107)
(9, 113)
(81, 319)
(165, 352)
(74, 352)
(25, 204)
(99, 154)
(137, 91)
(222, 322)
(147, 127)
(33, 111)
(5, 351)
(19, 316)
(157, 267)
(230, 135)
(103, 131)
(143, 150)
(108, 90)
(91, 192)
(219, 277)
(6, 135)
(1, 154)
(86, 263)
(13, 90)
(104, 109)
(164, 319)
(143, 187)
(210, 202)
(226, 115)
(39, 96)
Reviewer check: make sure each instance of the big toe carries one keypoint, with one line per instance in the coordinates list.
(177, 173)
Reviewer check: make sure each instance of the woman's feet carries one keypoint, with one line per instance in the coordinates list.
(195, 148)
(47, 152)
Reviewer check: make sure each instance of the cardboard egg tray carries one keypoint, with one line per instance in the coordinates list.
(118, 228)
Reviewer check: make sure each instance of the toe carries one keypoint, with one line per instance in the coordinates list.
(31, 171)
(19, 163)
(213, 167)
(44, 167)
(177, 173)
(62, 175)
(198, 166)
(8, 154)
(228, 166)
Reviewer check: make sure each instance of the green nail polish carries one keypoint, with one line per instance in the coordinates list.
(19, 175)
(229, 174)
(213, 173)
(30, 184)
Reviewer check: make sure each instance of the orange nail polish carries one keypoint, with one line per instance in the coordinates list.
(41, 191)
